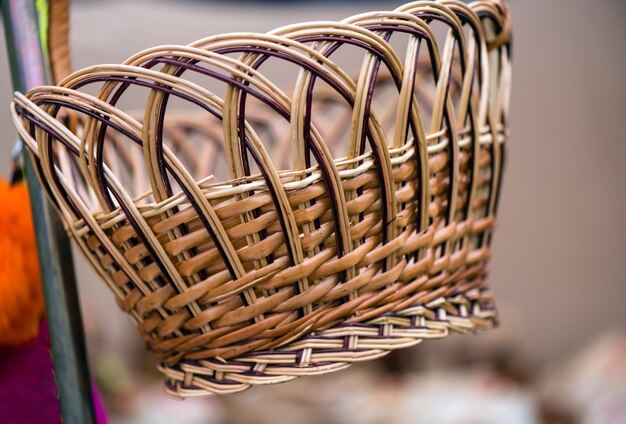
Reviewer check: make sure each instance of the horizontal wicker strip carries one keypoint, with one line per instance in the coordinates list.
(261, 234)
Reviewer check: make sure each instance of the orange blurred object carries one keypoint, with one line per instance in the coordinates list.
(21, 298)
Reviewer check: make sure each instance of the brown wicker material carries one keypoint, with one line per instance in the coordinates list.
(354, 215)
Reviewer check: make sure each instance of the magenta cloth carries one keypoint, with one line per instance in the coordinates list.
(28, 393)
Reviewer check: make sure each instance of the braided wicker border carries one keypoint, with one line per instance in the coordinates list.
(271, 275)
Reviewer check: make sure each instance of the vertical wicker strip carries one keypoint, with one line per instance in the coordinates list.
(58, 38)
(247, 249)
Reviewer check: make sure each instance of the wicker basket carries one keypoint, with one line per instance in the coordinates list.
(343, 218)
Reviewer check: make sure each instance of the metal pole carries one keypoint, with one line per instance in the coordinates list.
(29, 69)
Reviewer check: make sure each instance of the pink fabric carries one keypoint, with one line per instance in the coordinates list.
(28, 393)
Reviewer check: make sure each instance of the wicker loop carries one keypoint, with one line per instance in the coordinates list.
(503, 37)
(246, 247)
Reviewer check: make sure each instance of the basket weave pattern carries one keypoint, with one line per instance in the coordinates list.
(300, 262)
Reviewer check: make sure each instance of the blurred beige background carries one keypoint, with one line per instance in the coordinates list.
(560, 249)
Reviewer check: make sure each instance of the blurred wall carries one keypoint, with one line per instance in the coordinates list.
(561, 242)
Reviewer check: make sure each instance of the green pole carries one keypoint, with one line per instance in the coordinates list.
(28, 59)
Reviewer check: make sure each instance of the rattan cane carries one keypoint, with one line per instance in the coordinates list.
(355, 215)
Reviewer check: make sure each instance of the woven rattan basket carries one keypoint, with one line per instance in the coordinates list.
(264, 234)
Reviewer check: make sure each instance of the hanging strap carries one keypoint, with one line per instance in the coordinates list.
(59, 39)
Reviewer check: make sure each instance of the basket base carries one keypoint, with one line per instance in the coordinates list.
(333, 349)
